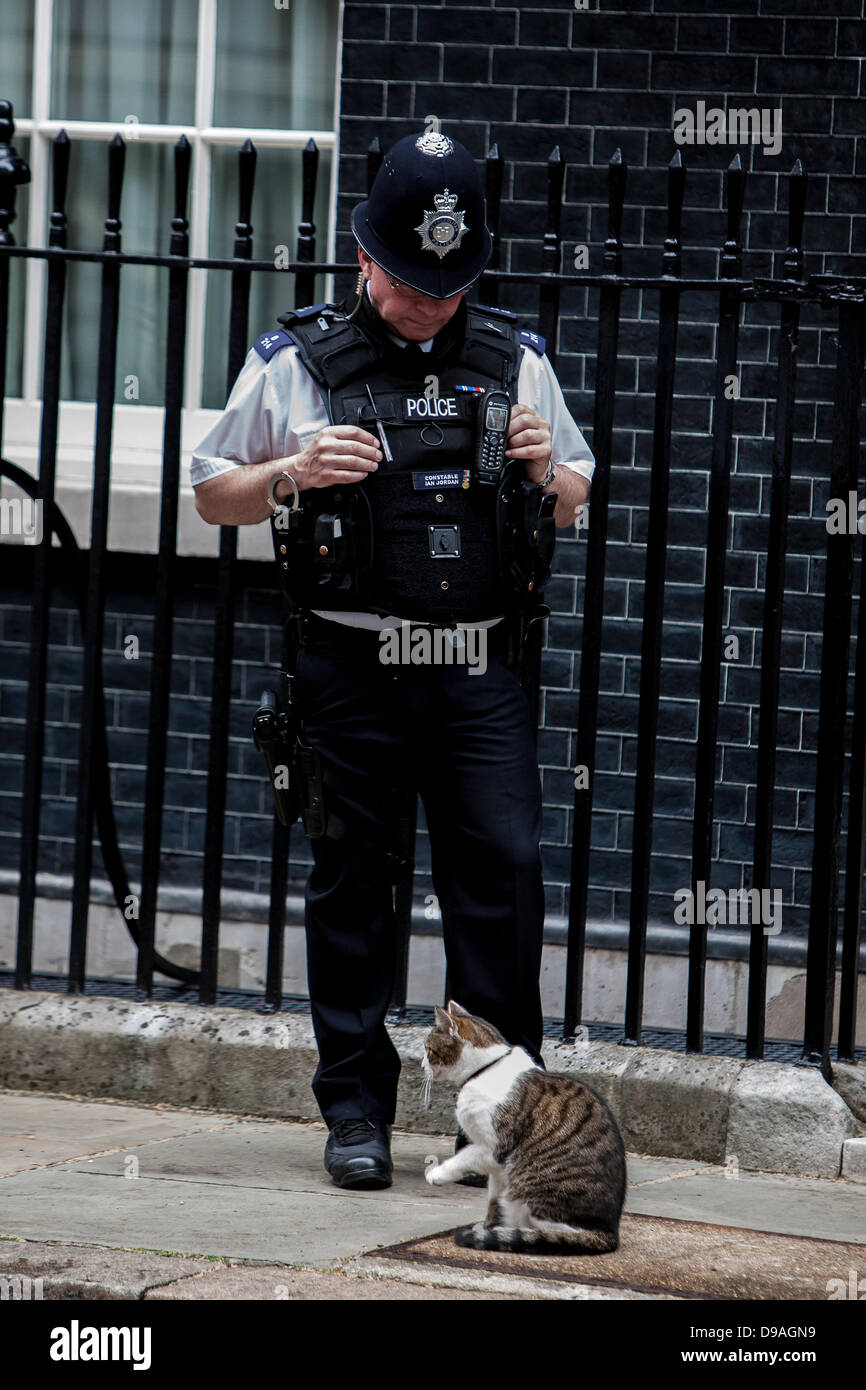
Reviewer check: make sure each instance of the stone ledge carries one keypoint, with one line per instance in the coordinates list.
(760, 1115)
(786, 1119)
(849, 1079)
(854, 1160)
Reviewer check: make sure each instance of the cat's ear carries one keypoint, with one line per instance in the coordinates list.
(444, 1020)
(456, 1011)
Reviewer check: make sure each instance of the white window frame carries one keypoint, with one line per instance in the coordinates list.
(138, 429)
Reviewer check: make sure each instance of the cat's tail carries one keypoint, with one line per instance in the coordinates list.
(558, 1239)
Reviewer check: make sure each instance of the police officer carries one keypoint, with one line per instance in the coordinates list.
(408, 498)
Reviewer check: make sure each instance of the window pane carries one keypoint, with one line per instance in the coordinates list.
(17, 280)
(276, 67)
(146, 210)
(276, 214)
(16, 57)
(119, 59)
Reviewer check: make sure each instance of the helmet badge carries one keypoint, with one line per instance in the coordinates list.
(433, 142)
(442, 229)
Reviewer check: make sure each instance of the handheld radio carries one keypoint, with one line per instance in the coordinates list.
(494, 413)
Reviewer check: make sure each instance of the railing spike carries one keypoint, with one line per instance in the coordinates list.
(676, 189)
(617, 172)
(180, 224)
(797, 185)
(116, 166)
(374, 160)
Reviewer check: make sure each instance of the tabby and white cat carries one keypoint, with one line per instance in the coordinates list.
(549, 1144)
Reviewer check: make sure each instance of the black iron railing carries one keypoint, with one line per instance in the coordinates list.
(845, 297)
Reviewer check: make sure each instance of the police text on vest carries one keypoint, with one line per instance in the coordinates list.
(431, 407)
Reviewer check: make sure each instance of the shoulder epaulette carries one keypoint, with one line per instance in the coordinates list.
(533, 340)
(330, 346)
(302, 315)
(497, 313)
(269, 343)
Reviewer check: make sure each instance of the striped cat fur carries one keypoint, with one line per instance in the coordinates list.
(549, 1144)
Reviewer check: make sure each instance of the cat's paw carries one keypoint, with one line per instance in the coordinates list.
(433, 1171)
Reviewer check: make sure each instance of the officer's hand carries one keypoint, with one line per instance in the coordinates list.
(337, 454)
(529, 439)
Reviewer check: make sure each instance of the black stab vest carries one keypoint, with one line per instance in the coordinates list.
(421, 537)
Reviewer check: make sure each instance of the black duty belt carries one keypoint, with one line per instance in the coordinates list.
(325, 632)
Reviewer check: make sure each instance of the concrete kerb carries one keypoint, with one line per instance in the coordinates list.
(790, 1115)
(182, 1054)
(757, 1115)
(849, 1079)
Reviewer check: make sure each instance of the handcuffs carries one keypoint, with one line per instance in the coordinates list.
(296, 496)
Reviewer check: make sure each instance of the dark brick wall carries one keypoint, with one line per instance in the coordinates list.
(129, 612)
(542, 74)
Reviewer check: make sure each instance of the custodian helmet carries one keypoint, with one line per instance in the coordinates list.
(423, 222)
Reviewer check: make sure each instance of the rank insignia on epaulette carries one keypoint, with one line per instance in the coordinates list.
(269, 343)
(533, 340)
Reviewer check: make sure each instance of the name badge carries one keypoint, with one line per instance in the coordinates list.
(421, 482)
(430, 408)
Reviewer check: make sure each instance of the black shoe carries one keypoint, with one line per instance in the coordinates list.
(358, 1154)
(471, 1179)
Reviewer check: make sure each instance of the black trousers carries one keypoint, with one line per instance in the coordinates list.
(465, 740)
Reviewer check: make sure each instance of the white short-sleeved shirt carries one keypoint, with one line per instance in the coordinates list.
(275, 408)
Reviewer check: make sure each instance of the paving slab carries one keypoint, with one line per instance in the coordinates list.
(267, 1154)
(35, 1270)
(818, 1208)
(36, 1130)
(294, 1227)
(126, 1200)
(91, 1272)
(256, 1190)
